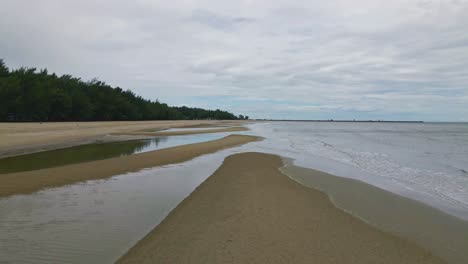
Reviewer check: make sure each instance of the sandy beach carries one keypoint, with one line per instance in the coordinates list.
(31, 181)
(188, 131)
(24, 138)
(249, 212)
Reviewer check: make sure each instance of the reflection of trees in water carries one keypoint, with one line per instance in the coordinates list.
(78, 154)
(147, 143)
(162, 139)
(128, 147)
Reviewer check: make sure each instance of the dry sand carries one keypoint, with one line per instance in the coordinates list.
(24, 138)
(31, 181)
(249, 212)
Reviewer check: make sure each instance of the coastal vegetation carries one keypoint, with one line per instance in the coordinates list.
(28, 94)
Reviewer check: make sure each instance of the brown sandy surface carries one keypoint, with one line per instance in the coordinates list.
(248, 212)
(31, 181)
(185, 132)
(443, 234)
(23, 138)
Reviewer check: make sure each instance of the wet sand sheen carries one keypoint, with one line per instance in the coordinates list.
(249, 212)
(442, 234)
(99, 220)
(31, 181)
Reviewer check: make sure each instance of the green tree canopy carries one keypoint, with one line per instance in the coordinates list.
(3, 69)
(27, 94)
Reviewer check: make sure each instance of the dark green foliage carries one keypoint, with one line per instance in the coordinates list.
(199, 113)
(30, 95)
(3, 69)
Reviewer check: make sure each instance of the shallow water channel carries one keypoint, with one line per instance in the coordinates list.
(99, 220)
(97, 151)
(202, 129)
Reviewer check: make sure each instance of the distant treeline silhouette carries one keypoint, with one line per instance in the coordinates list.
(27, 94)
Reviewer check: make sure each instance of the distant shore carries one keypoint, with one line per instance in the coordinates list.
(249, 212)
(25, 138)
(342, 121)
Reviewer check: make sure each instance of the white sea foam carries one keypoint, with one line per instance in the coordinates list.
(427, 162)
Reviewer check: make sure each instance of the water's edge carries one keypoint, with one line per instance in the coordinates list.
(442, 234)
(100, 220)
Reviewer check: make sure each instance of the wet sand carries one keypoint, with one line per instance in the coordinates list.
(31, 181)
(249, 212)
(24, 138)
(440, 233)
(188, 131)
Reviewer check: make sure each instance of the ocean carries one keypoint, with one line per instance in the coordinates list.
(427, 162)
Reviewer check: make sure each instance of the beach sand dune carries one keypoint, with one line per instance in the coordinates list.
(249, 212)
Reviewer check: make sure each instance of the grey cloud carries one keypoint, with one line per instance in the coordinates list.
(217, 21)
(392, 58)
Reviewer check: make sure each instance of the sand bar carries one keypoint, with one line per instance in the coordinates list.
(24, 138)
(188, 131)
(249, 212)
(31, 181)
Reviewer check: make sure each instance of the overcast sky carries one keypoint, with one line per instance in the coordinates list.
(398, 59)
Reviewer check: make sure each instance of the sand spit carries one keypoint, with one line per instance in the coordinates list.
(249, 212)
(183, 132)
(31, 181)
(24, 138)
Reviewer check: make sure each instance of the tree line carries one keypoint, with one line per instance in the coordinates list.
(28, 94)
(200, 113)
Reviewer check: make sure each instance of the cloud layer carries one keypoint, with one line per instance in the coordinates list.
(267, 59)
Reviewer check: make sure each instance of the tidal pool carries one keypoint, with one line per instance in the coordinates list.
(99, 220)
(192, 129)
(97, 151)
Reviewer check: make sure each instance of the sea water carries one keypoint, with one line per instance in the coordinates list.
(427, 162)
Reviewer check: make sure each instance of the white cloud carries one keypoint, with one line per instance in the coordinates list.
(323, 57)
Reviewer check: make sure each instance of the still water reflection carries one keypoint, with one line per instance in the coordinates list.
(98, 151)
(96, 221)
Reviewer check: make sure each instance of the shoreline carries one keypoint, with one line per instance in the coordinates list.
(248, 211)
(26, 138)
(31, 181)
(404, 217)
